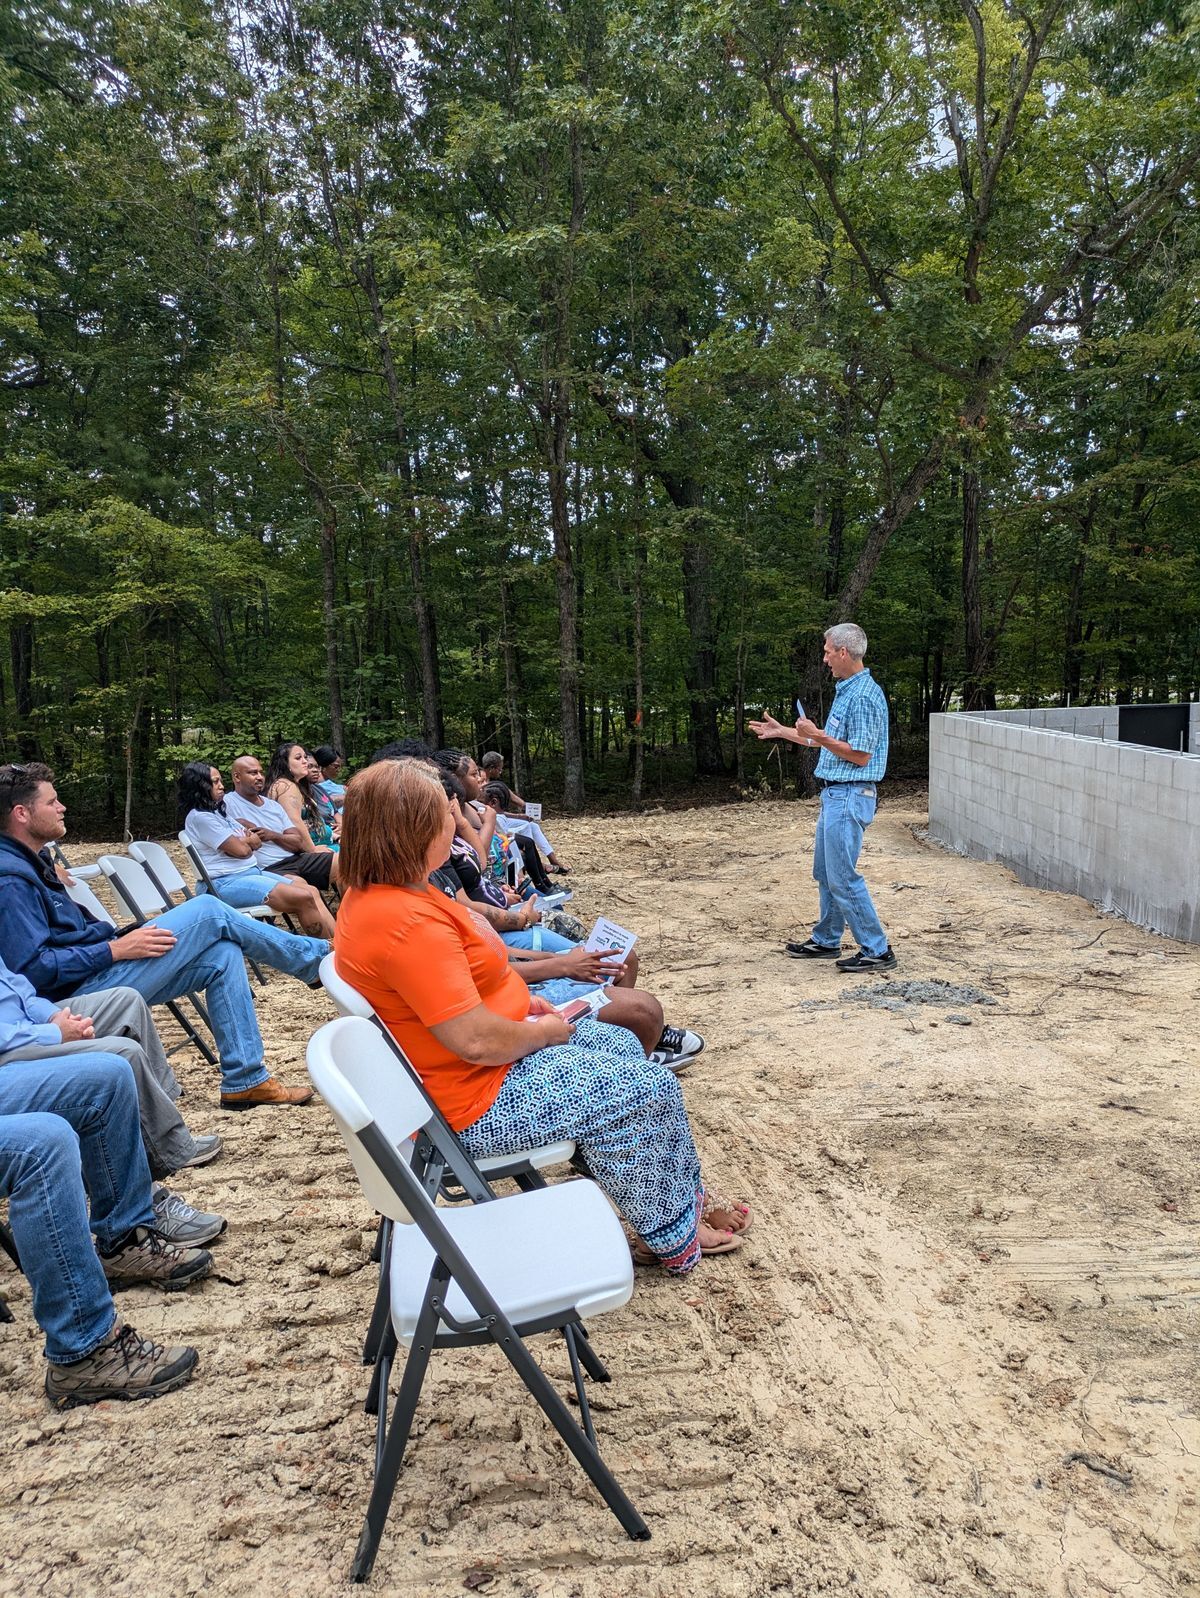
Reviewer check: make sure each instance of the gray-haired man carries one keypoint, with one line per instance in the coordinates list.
(854, 751)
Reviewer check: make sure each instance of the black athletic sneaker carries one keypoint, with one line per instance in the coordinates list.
(862, 961)
(808, 950)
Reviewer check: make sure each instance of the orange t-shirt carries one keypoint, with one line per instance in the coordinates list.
(419, 960)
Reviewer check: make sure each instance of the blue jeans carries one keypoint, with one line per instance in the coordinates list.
(62, 1131)
(538, 938)
(242, 889)
(211, 940)
(846, 813)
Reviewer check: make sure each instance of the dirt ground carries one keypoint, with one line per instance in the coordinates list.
(957, 1354)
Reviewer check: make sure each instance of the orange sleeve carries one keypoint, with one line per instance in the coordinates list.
(427, 966)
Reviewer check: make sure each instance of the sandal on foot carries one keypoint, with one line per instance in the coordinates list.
(740, 1219)
(643, 1255)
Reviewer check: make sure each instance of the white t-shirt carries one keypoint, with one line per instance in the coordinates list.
(208, 830)
(268, 813)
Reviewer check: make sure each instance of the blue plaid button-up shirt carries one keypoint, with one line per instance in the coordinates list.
(859, 717)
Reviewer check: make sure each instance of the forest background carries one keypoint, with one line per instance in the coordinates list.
(548, 374)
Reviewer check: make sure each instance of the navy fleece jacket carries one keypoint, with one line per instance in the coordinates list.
(43, 933)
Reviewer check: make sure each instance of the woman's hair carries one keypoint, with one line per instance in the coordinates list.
(451, 784)
(498, 795)
(194, 791)
(453, 760)
(394, 811)
(325, 755)
(277, 770)
(403, 749)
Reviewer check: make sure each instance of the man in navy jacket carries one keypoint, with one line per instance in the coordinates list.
(65, 953)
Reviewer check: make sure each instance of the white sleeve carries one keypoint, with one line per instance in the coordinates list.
(208, 829)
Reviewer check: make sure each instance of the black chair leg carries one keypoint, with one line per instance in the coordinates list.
(560, 1417)
(9, 1244)
(388, 1466)
(384, 1354)
(377, 1330)
(585, 1409)
(190, 1033)
(592, 1363)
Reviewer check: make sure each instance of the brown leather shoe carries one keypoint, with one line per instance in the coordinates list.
(272, 1091)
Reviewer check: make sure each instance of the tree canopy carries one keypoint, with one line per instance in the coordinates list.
(550, 375)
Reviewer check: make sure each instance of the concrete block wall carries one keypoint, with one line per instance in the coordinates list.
(1118, 824)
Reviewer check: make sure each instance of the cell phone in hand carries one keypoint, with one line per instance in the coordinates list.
(800, 711)
(574, 1010)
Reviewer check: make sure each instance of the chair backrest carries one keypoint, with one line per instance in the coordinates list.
(349, 1000)
(133, 886)
(204, 883)
(362, 1083)
(82, 895)
(162, 870)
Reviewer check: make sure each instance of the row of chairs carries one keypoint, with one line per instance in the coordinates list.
(491, 1269)
(144, 883)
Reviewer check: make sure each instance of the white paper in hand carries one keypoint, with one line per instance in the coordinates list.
(610, 939)
(532, 812)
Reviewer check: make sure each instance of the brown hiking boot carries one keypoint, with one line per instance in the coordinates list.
(146, 1256)
(124, 1366)
(272, 1091)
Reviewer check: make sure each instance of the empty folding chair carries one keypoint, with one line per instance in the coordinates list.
(498, 1270)
(168, 879)
(524, 1168)
(79, 893)
(135, 889)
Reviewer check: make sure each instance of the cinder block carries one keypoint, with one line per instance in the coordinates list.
(1131, 763)
(1185, 773)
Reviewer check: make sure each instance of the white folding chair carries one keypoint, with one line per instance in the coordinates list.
(79, 893)
(135, 889)
(524, 1168)
(496, 1270)
(169, 880)
(85, 873)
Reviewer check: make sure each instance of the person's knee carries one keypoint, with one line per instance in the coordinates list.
(42, 1145)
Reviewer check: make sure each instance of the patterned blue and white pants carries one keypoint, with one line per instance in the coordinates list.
(628, 1119)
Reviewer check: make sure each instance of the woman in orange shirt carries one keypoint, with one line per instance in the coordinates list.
(504, 1068)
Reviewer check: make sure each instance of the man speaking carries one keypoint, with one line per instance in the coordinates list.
(854, 750)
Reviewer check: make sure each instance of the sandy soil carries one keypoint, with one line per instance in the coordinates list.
(956, 1356)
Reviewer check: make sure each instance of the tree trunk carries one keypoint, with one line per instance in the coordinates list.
(975, 643)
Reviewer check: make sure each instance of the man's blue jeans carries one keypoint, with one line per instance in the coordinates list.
(846, 813)
(63, 1130)
(210, 941)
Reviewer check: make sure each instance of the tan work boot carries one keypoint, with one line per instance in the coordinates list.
(272, 1091)
(146, 1256)
(124, 1366)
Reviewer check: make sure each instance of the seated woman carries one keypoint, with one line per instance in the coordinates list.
(504, 1068)
(289, 784)
(483, 889)
(328, 818)
(330, 762)
(532, 841)
(227, 849)
(508, 819)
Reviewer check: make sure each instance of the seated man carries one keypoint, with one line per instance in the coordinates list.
(37, 1029)
(280, 846)
(64, 952)
(229, 850)
(82, 1120)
